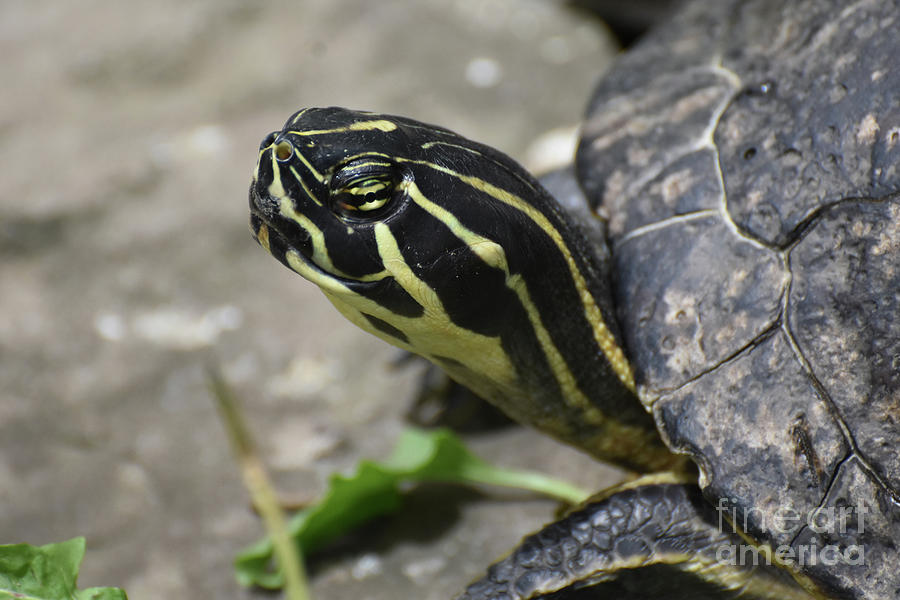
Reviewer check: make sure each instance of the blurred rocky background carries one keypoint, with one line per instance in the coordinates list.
(127, 135)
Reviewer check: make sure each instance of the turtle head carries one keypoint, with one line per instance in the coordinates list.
(451, 250)
(346, 199)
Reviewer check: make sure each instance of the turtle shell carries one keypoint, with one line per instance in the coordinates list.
(748, 160)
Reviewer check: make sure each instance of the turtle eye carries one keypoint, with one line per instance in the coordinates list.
(363, 189)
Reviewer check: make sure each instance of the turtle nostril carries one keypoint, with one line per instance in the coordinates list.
(283, 150)
(268, 140)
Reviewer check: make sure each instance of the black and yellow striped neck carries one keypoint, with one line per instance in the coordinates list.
(449, 249)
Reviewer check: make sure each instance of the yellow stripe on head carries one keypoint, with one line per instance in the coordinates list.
(433, 334)
(602, 334)
(378, 124)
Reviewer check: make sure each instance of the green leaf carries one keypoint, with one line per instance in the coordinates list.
(47, 573)
(375, 490)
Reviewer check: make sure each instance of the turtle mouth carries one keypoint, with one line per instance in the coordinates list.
(269, 232)
(284, 240)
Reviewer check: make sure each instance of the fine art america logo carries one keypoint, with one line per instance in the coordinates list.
(827, 522)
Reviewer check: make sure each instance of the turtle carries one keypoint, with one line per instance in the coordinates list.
(711, 298)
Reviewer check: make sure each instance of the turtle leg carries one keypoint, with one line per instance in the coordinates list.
(655, 537)
(442, 402)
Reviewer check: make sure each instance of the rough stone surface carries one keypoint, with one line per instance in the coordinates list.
(844, 311)
(127, 135)
(743, 422)
(673, 333)
(759, 294)
(813, 123)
